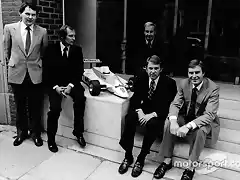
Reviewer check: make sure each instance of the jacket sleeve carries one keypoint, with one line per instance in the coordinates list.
(7, 44)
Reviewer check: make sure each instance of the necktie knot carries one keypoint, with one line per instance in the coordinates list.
(28, 28)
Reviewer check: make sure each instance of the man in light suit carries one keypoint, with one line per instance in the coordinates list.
(192, 114)
(24, 44)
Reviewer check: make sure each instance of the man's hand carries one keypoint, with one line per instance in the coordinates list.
(182, 131)
(140, 114)
(67, 89)
(60, 90)
(174, 127)
(143, 121)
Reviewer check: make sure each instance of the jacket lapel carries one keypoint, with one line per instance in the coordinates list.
(19, 38)
(203, 91)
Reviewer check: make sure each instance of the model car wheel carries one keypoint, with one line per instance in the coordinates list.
(94, 87)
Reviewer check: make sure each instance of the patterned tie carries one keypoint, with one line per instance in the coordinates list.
(65, 52)
(151, 89)
(191, 113)
(28, 40)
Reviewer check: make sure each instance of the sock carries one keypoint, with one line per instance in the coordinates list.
(167, 160)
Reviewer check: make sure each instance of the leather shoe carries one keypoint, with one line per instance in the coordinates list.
(81, 141)
(19, 139)
(161, 170)
(137, 169)
(125, 165)
(188, 174)
(38, 141)
(52, 146)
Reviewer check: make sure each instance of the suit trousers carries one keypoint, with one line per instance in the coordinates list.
(29, 100)
(196, 139)
(154, 127)
(77, 94)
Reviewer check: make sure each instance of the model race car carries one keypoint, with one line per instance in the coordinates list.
(101, 78)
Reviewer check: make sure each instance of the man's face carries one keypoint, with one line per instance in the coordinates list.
(195, 75)
(28, 16)
(149, 33)
(153, 70)
(70, 37)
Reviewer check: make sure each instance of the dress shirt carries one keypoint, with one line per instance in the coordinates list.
(24, 32)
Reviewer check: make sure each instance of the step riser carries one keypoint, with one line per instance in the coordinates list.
(230, 124)
(229, 104)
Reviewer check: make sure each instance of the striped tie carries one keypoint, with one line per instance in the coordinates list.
(151, 89)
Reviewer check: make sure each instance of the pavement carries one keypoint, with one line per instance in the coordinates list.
(28, 162)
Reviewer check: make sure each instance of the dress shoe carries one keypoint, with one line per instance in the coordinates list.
(19, 139)
(52, 146)
(161, 170)
(188, 174)
(81, 141)
(137, 169)
(37, 141)
(125, 165)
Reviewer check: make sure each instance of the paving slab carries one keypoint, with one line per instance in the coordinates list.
(15, 161)
(65, 165)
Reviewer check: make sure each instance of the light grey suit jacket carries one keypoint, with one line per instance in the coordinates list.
(15, 56)
(207, 104)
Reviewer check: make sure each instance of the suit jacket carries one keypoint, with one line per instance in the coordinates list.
(18, 61)
(139, 53)
(164, 94)
(207, 104)
(60, 71)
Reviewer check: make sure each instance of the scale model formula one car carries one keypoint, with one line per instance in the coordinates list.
(101, 78)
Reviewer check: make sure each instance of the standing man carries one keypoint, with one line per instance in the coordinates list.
(24, 44)
(63, 70)
(147, 47)
(148, 107)
(192, 114)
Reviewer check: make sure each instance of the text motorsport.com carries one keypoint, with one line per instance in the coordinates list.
(207, 163)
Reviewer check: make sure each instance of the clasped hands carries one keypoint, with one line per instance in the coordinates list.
(178, 131)
(64, 91)
(143, 118)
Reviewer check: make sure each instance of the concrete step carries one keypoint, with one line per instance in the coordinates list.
(230, 124)
(229, 104)
(108, 148)
(229, 114)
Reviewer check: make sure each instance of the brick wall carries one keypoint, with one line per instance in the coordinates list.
(50, 17)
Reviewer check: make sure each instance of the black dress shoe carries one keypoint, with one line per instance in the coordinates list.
(161, 170)
(37, 141)
(188, 174)
(52, 146)
(137, 169)
(125, 165)
(81, 141)
(19, 139)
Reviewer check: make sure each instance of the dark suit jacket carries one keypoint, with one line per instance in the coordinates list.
(206, 105)
(139, 53)
(164, 94)
(60, 71)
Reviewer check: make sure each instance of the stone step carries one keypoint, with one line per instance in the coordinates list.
(229, 104)
(230, 124)
(229, 135)
(229, 114)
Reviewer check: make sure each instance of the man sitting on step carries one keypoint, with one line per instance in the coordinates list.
(149, 106)
(192, 114)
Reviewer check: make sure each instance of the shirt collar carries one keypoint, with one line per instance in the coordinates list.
(150, 41)
(156, 80)
(23, 26)
(199, 86)
(63, 46)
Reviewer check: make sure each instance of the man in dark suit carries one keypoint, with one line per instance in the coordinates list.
(192, 114)
(148, 107)
(24, 45)
(147, 47)
(63, 70)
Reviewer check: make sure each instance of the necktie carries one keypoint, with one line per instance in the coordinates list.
(65, 52)
(28, 40)
(149, 43)
(191, 112)
(151, 89)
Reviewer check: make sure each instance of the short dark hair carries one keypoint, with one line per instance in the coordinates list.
(195, 62)
(155, 60)
(62, 33)
(33, 6)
